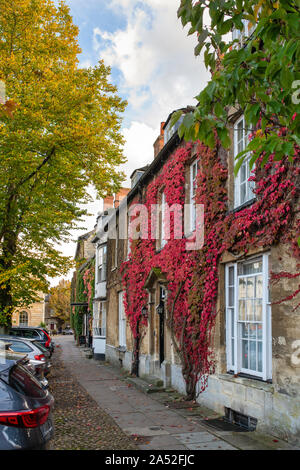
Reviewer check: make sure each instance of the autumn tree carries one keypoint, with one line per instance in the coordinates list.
(59, 301)
(255, 70)
(62, 135)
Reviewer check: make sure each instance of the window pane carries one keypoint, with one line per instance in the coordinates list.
(242, 288)
(249, 310)
(245, 330)
(252, 330)
(258, 287)
(231, 275)
(250, 287)
(257, 310)
(231, 296)
(259, 358)
(245, 354)
(252, 355)
(240, 130)
(243, 193)
(242, 310)
(250, 268)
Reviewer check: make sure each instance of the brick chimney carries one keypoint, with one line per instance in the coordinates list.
(159, 143)
(121, 194)
(108, 203)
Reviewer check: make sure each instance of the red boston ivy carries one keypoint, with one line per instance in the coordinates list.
(193, 276)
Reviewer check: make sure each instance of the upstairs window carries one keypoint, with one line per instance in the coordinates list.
(102, 261)
(192, 198)
(162, 221)
(242, 35)
(169, 131)
(243, 188)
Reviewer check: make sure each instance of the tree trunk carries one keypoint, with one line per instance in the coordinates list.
(9, 246)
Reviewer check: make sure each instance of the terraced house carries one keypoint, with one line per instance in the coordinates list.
(217, 317)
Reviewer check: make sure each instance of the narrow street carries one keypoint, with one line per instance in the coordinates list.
(98, 408)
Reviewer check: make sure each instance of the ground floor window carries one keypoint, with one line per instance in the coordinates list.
(23, 319)
(99, 319)
(122, 321)
(248, 318)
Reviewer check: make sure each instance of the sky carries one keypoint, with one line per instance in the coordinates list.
(152, 64)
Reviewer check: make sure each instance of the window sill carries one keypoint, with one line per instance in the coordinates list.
(242, 206)
(247, 382)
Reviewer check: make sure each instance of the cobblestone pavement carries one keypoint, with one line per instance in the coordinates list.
(80, 424)
(98, 407)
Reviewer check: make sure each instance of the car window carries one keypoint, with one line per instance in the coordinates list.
(25, 333)
(43, 335)
(40, 346)
(23, 382)
(31, 334)
(19, 346)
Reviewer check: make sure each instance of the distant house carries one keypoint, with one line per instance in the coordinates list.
(33, 315)
(100, 247)
(81, 314)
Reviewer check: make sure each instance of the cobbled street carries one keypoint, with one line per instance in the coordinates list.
(97, 408)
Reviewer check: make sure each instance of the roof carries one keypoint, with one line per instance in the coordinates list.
(10, 338)
(185, 110)
(143, 168)
(156, 164)
(9, 359)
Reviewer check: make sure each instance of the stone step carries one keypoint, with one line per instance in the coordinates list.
(147, 386)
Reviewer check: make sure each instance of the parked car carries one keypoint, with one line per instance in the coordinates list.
(35, 351)
(38, 333)
(67, 331)
(36, 367)
(25, 407)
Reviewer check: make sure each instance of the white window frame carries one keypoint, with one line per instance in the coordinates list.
(239, 180)
(23, 314)
(122, 320)
(244, 34)
(99, 319)
(169, 131)
(116, 247)
(162, 220)
(101, 263)
(192, 195)
(233, 324)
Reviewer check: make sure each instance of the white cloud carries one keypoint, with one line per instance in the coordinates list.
(155, 57)
(138, 148)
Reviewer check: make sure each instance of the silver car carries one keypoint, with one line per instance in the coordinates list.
(37, 354)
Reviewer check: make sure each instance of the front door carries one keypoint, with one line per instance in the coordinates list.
(162, 296)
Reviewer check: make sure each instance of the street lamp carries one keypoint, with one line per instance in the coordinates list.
(144, 312)
(160, 309)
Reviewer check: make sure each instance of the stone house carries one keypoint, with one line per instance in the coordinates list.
(80, 317)
(256, 338)
(99, 241)
(33, 315)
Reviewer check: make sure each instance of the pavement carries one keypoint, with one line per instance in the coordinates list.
(159, 420)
